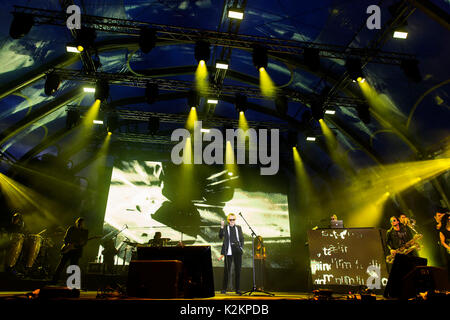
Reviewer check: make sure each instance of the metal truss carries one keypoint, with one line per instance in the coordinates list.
(128, 79)
(179, 118)
(224, 39)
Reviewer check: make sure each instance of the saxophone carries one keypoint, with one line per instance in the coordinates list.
(411, 245)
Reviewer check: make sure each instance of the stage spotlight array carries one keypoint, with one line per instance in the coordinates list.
(222, 64)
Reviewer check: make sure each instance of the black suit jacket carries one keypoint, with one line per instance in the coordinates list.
(223, 234)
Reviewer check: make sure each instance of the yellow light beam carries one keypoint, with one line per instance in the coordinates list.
(201, 78)
(266, 84)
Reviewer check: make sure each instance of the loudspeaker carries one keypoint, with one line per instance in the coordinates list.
(423, 279)
(198, 278)
(400, 268)
(52, 292)
(154, 278)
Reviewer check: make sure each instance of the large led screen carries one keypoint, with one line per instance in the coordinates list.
(146, 197)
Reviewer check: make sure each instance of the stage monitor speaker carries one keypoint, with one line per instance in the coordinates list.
(198, 278)
(400, 268)
(55, 292)
(154, 279)
(424, 279)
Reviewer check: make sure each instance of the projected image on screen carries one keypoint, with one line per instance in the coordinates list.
(346, 257)
(147, 197)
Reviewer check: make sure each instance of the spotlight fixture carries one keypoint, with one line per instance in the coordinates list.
(147, 39)
(281, 104)
(112, 122)
(89, 89)
(259, 56)
(73, 48)
(85, 39)
(311, 58)
(330, 111)
(151, 92)
(236, 13)
(101, 90)
(202, 51)
(310, 138)
(51, 84)
(153, 125)
(193, 99)
(292, 139)
(363, 113)
(353, 66)
(240, 103)
(72, 119)
(411, 70)
(20, 25)
(97, 121)
(212, 101)
(317, 110)
(400, 34)
(222, 64)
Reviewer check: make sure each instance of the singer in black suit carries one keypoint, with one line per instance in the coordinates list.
(233, 242)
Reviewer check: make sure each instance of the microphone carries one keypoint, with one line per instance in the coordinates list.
(240, 214)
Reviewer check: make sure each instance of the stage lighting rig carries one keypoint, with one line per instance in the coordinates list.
(202, 51)
(259, 56)
(147, 39)
(52, 83)
(151, 92)
(101, 90)
(20, 25)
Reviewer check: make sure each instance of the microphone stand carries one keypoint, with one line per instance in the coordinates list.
(254, 289)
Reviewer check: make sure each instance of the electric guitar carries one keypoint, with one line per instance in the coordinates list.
(67, 247)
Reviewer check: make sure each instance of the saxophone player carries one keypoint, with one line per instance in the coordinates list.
(397, 236)
(407, 223)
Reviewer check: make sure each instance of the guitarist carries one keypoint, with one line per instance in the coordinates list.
(75, 239)
(397, 236)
